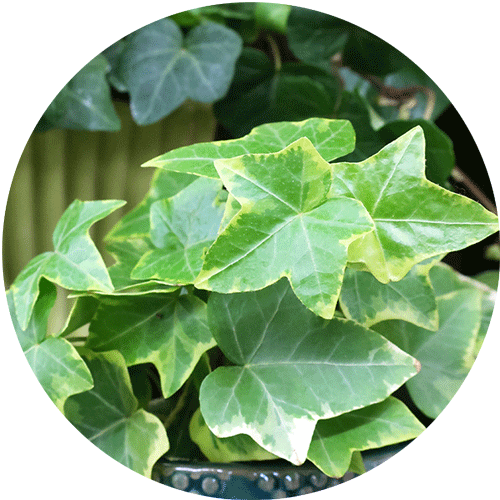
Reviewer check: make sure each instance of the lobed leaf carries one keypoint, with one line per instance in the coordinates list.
(261, 93)
(109, 417)
(332, 139)
(284, 198)
(446, 355)
(75, 263)
(162, 69)
(55, 362)
(84, 103)
(414, 218)
(365, 300)
(182, 227)
(168, 330)
(335, 440)
(292, 369)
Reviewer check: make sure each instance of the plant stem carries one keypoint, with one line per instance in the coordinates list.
(459, 176)
(276, 53)
(178, 407)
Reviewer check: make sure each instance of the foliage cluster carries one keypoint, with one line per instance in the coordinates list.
(271, 292)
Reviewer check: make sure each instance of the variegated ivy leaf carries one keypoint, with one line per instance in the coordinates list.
(414, 218)
(108, 415)
(365, 300)
(127, 254)
(287, 226)
(75, 263)
(240, 448)
(182, 227)
(382, 424)
(168, 330)
(446, 280)
(292, 369)
(55, 362)
(446, 355)
(135, 224)
(332, 139)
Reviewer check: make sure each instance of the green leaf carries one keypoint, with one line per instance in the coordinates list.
(84, 103)
(365, 300)
(272, 16)
(113, 54)
(445, 355)
(240, 448)
(414, 218)
(447, 281)
(260, 93)
(169, 331)
(109, 417)
(55, 362)
(382, 424)
(182, 227)
(357, 465)
(74, 264)
(489, 278)
(439, 155)
(292, 369)
(284, 200)
(81, 313)
(162, 69)
(332, 139)
(353, 107)
(315, 37)
(135, 224)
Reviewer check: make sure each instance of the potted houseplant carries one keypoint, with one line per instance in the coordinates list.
(266, 297)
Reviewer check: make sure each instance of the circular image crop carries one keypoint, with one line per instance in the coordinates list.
(295, 286)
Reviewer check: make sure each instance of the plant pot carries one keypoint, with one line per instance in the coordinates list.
(256, 480)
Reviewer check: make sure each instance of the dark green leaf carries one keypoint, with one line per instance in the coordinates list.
(261, 94)
(84, 103)
(162, 69)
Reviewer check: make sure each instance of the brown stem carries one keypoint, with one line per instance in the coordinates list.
(459, 176)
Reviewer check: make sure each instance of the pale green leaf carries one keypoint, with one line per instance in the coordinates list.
(162, 68)
(332, 139)
(240, 448)
(382, 424)
(446, 355)
(109, 417)
(284, 206)
(135, 224)
(55, 362)
(127, 254)
(182, 227)
(272, 16)
(81, 313)
(446, 280)
(292, 369)
(169, 331)
(365, 300)
(75, 263)
(414, 218)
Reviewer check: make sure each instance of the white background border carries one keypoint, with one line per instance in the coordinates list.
(45, 43)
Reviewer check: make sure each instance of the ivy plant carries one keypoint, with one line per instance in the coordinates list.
(275, 295)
